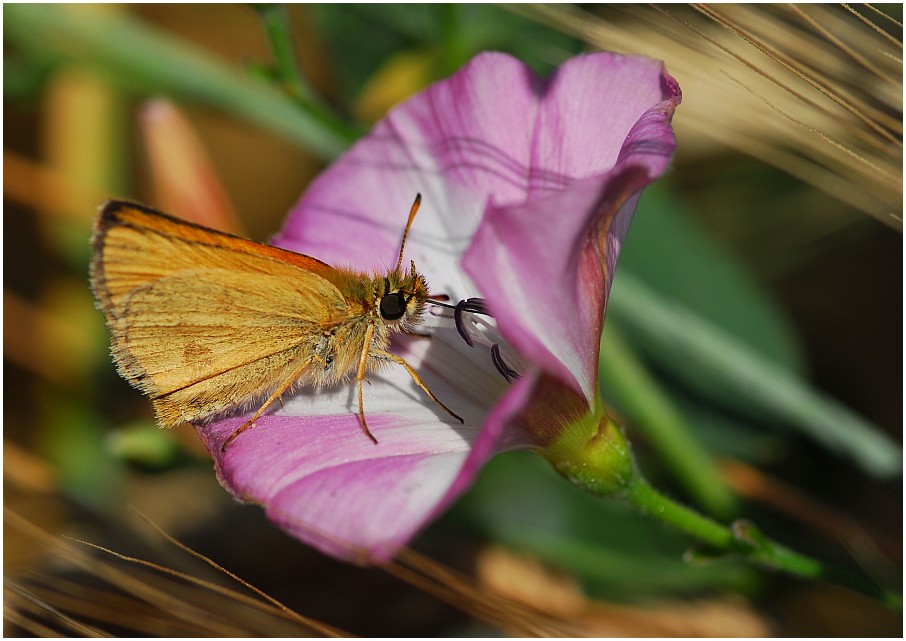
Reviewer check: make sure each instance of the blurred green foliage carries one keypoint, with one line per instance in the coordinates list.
(617, 553)
(445, 34)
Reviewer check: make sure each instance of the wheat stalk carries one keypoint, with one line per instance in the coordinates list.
(815, 90)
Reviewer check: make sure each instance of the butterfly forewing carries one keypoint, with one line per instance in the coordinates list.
(200, 329)
(135, 245)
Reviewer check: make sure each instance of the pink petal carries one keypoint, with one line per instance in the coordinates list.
(545, 266)
(548, 304)
(589, 116)
(324, 482)
(320, 479)
(491, 137)
(454, 144)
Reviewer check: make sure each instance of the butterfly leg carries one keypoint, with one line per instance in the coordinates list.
(360, 376)
(418, 381)
(270, 399)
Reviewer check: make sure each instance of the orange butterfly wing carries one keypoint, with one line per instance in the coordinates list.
(203, 321)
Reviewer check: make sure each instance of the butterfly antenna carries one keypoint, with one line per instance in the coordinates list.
(438, 303)
(415, 206)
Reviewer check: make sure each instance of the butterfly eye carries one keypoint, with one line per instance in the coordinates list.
(393, 306)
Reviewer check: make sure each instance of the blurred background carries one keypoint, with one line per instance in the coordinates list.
(753, 345)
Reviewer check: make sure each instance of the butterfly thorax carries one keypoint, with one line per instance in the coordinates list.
(379, 304)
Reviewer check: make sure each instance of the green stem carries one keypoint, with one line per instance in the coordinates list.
(746, 540)
(594, 454)
(741, 538)
(635, 392)
(279, 34)
(652, 503)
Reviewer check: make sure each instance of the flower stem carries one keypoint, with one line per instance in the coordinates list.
(279, 34)
(746, 540)
(741, 537)
(637, 394)
(595, 455)
(276, 25)
(652, 503)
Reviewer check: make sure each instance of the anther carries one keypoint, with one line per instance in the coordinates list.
(472, 305)
(506, 371)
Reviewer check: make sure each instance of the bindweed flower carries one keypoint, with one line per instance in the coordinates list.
(528, 186)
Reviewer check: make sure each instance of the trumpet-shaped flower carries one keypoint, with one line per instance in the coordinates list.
(528, 187)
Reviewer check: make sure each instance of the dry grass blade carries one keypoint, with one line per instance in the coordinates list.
(291, 614)
(883, 15)
(14, 615)
(479, 601)
(134, 584)
(843, 46)
(872, 25)
(816, 93)
(800, 69)
(116, 610)
(166, 602)
(19, 599)
(843, 148)
(279, 609)
(443, 583)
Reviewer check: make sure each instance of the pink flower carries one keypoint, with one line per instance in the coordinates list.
(528, 188)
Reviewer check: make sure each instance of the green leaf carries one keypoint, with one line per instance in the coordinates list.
(711, 359)
(694, 312)
(668, 253)
(144, 444)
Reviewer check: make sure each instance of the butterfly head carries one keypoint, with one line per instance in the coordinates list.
(402, 302)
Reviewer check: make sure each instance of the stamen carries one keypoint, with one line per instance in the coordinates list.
(472, 305)
(457, 318)
(508, 372)
(478, 306)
